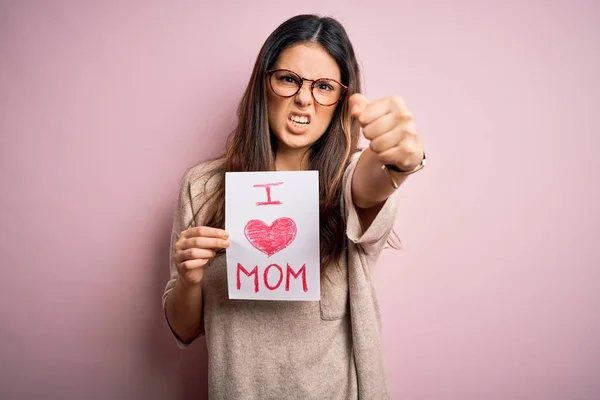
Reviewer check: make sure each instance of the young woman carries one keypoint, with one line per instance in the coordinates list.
(302, 110)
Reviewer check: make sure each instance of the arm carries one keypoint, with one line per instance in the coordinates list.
(183, 311)
(191, 250)
(371, 184)
(183, 303)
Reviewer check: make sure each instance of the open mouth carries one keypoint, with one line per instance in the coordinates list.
(299, 119)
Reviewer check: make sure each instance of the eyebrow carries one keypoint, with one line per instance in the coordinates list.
(318, 77)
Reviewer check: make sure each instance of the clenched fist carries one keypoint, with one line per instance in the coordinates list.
(390, 126)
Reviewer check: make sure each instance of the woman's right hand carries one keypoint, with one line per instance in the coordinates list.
(194, 249)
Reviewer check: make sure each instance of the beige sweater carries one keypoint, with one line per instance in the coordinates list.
(330, 349)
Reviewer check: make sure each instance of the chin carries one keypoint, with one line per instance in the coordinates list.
(292, 141)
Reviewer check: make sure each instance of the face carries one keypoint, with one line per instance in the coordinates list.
(298, 121)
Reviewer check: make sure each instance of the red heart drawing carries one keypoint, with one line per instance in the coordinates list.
(271, 239)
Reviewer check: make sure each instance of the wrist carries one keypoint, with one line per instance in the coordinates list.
(396, 168)
(389, 168)
(187, 286)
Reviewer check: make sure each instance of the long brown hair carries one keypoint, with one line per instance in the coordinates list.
(252, 147)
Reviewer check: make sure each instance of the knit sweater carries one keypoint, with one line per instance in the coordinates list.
(329, 349)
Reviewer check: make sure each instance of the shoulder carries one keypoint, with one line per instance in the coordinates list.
(202, 176)
(198, 182)
(195, 188)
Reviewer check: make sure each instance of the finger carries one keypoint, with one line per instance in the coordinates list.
(205, 231)
(400, 105)
(407, 155)
(202, 243)
(195, 254)
(377, 128)
(373, 111)
(380, 126)
(386, 141)
(190, 265)
(357, 103)
(380, 107)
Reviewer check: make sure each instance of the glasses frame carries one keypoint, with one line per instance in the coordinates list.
(313, 82)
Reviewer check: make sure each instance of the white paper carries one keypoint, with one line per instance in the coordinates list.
(273, 224)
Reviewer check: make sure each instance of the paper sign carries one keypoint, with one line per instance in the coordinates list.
(273, 224)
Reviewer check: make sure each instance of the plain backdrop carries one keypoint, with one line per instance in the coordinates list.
(104, 104)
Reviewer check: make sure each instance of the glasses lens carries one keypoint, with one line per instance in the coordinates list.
(285, 83)
(327, 92)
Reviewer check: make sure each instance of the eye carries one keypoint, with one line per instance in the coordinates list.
(325, 86)
(288, 79)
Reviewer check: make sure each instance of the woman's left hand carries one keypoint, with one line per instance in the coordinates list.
(390, 126)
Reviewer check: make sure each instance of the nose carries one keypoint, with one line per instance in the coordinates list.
(304, 95)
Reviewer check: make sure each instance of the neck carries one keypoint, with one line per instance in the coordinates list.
(291, 159)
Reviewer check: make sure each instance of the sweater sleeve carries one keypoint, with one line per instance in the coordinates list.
(183, 217)
(375, 237)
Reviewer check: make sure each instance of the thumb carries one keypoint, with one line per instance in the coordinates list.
(357, 103)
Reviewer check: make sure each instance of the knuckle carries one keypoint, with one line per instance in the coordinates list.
(407, 159)
(398, 117)
(203, 230)
(375, 146)
(405, 164)
(409, 150)
(407, 113)
(412, 126)
(187, 265)
(184, 266)
(189, 253)
(410, 130)
(398, 101)
(179, 244)
(196, 254)
(403, 116)
(178, 255)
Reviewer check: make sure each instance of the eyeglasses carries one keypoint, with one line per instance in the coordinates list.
(286, 83)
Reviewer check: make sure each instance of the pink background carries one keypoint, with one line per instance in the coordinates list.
(104, 104)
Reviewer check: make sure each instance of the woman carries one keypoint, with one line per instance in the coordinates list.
(302, 110)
